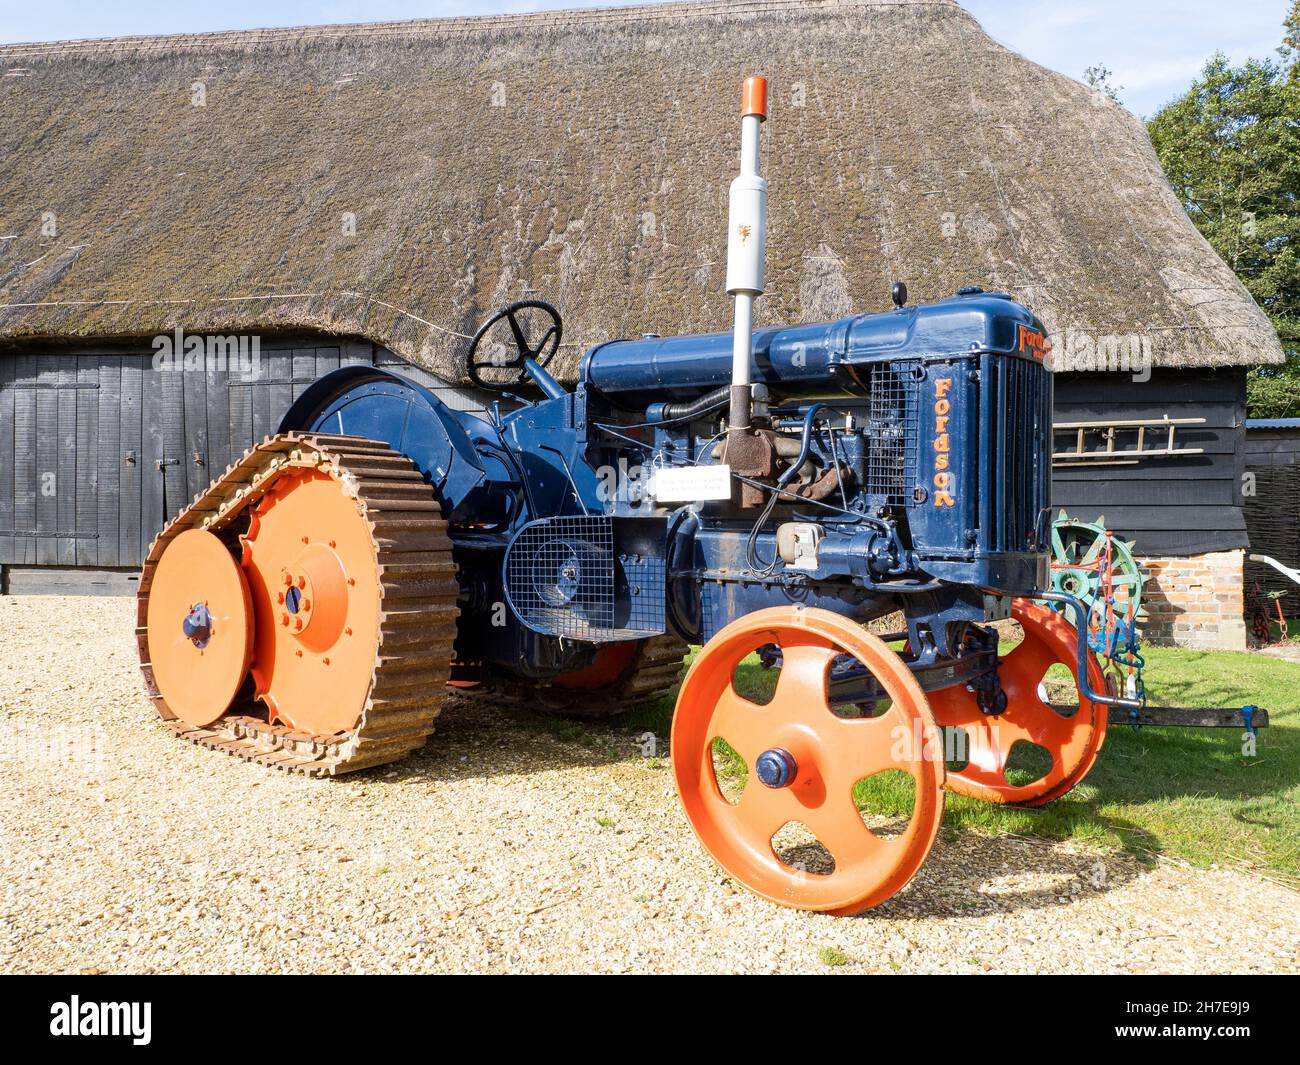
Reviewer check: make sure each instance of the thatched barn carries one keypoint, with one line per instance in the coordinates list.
(371, 192)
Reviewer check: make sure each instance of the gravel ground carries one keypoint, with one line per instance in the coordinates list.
(127, 850)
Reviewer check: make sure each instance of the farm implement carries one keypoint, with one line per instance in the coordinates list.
(764, 493)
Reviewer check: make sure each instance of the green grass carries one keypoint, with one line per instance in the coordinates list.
(833, 957)
(1189, 793)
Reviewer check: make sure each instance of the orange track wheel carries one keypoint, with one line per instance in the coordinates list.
(200, 627)
(607, 667)
(315, 581)
(1073, 742)
(804, 761)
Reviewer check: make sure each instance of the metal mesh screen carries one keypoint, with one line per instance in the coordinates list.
(891, 432)
(568, 577)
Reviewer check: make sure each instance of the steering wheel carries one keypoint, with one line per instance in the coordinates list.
(498, 356)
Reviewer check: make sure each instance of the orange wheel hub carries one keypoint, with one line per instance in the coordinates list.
(311, 566)
(1072, 741)
(804, 762)
(199, 626)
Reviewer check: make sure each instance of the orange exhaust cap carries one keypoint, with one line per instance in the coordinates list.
(753, 98)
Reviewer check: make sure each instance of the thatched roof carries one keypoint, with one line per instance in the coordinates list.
(584, 157)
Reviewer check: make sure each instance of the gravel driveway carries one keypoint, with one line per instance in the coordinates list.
(127, 850)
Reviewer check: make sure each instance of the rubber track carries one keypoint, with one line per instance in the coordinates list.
(653, 673)
(417, 610)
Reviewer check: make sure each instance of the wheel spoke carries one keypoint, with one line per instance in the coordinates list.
(840, 829)
(1094, 550)
(801, 686)
(989, 745)
(743, 724)
(760, 812)
(1028, 661)
(863, 746)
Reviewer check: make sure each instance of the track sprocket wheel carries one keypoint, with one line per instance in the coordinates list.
(1072, 742)
(804, 762)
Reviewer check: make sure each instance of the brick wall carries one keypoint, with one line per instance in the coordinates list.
(1195, 602)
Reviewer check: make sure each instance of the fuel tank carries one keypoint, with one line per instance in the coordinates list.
(815, 361)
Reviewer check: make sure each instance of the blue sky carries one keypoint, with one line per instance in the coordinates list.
(1155, 47)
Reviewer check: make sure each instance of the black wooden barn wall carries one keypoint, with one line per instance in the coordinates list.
(98, 448)
(1180, 506)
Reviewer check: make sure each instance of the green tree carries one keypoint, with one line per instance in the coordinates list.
(1231, 149)
(1291, 42)
(1099, 76)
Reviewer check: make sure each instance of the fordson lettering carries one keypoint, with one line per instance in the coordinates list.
(944, 481)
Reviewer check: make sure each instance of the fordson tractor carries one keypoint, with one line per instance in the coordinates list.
(312, 609)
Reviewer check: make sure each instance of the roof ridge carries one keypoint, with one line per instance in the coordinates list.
(452, 26)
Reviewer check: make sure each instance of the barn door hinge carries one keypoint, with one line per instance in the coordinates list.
(162, 463)
(129, 458)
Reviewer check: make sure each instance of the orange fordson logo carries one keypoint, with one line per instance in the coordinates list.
(1032, 341)
(944, 481)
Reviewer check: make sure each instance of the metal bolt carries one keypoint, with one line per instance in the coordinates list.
(775, 767)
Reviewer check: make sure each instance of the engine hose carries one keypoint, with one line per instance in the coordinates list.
(805, 445)
(679, 412)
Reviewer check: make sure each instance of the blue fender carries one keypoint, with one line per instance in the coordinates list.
(370, 402)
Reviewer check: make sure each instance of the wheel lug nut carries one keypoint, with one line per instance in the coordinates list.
(776, 768)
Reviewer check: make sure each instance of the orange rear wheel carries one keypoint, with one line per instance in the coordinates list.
(804, 762)
(1072, 741)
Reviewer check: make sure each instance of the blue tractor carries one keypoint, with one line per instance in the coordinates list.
(847, 505)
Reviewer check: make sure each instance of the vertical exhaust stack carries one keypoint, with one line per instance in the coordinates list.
(746, 248)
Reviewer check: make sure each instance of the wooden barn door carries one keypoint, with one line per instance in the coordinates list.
(99, 449)
(50, 482)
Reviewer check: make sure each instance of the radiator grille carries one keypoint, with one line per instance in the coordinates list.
(891, 431)
(566, 577)
(1019, 469)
